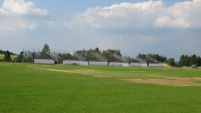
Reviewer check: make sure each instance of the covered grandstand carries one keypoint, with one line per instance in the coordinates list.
(91, 58)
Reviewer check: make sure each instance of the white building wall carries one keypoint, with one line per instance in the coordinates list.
(144, 65)
(115, 64)
(97, 63)
(43, 61)
(84, 63)
(71, 62)
(155, 65)
(135, 64)
(125, 64)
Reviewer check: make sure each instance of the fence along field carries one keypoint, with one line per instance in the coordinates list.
(57, 88)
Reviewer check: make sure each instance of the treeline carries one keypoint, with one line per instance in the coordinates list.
(88, 54)
(160, 58)
(96, 50)
(186, 60)
(7, 56)
(110, 52)
(3, 52)
(92, 54)
(11, 57)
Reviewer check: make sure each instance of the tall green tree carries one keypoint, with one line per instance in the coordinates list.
(159, 57)
(186, 60)
(194, 60)
(7, 56)
(97, 50)
(45, 51)
(199, 61)
(171, 61)
(182, 60)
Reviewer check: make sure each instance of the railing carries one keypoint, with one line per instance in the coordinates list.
(100, 57)
(140, 60)
(152, 59)
(120, 58)
(79, 57)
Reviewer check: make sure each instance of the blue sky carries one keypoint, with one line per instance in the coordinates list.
(165, 27)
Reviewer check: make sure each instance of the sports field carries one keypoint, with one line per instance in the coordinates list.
(32, 88)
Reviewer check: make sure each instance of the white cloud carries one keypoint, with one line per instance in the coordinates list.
(181, 15)
(122, 15)
(20, 7)
(143, 15)
(15, 16)
(14, 25)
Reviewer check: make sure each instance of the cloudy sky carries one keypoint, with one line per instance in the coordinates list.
(166, 27)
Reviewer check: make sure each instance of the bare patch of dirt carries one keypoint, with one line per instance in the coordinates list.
(93, 72)
(83, 71)
(168, 81)
(166, 65)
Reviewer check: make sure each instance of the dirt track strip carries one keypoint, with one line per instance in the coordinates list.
(168, 81)
(84, 71)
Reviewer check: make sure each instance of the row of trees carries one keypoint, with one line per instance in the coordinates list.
(11, 57)
(96, 54)
(3, 52)
(7, 56)
(186, 60)
(45, 53)
(159, 58)
(96, 50)
(108, 53)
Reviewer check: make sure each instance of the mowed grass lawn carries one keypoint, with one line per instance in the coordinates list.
(32, 88)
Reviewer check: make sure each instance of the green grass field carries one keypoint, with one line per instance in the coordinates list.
(1, 56)
(32, 88)
(12, 57)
